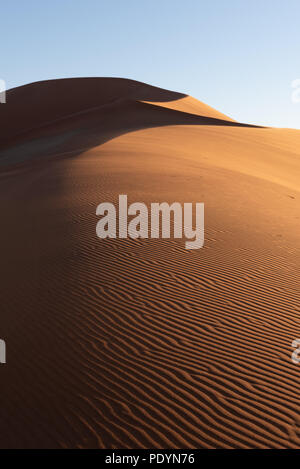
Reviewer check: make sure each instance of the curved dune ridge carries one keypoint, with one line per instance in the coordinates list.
(141, 343)
(77, 114)
(67, 97)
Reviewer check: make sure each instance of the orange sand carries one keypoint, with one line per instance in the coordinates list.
(142, 343)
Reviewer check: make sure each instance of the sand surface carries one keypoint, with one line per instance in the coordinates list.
(141, 343)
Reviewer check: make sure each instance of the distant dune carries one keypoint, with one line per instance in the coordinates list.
(141, 343)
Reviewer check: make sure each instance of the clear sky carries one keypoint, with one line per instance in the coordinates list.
(239, 56)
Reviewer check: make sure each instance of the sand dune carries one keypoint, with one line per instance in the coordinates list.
(142, 343)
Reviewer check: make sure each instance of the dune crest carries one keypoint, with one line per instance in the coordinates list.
(51, 108)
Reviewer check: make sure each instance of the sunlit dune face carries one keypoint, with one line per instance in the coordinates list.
(192, 106)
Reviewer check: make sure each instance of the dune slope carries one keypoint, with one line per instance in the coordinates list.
(141, 343)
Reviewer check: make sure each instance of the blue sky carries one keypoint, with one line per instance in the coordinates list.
(239, 56)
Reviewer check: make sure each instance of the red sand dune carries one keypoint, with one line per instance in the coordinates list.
(142, 343)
